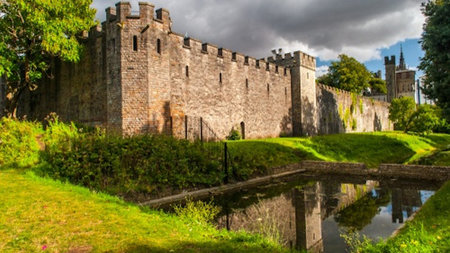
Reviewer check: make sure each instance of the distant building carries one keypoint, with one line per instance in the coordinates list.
(400, 81)
(420, 97)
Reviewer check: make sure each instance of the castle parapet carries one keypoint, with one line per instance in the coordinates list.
(123, 10)
(163, 15)
(111, 14)
(306, 60)
(388, 61)
(146, 12)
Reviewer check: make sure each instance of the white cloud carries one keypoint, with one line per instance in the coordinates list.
(321, 70)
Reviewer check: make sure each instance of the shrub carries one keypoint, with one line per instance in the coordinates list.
(128, 165)
(19, 146)
(197, 211)
(424, 120)
(234, 135)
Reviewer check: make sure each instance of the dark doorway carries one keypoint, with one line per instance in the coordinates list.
(243, 130)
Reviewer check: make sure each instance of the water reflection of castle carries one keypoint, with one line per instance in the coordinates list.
(404, 201)
(296, 216)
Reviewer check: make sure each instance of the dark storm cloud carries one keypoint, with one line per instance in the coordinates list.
(324, 28)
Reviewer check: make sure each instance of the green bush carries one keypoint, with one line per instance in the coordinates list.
(127, 165)
(234, 135)
(19, 146)
(424, 119)
(197, 211)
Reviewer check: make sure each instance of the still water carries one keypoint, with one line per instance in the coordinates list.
(307, 213)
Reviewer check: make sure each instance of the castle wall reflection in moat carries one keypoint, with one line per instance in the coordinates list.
(312, 215)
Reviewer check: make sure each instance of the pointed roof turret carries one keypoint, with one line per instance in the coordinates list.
(402, 65)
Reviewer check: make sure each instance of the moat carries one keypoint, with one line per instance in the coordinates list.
(312, 213)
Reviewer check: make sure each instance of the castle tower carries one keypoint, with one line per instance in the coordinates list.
(390, 78)
(303, 96)
(308, 218)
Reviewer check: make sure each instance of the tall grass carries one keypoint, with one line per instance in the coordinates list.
(19, 146)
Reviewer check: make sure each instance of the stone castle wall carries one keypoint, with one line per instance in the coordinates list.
(343, 112)
(138, 76)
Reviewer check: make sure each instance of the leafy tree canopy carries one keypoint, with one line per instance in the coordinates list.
(400, 112)
(425, 119)
(436, 44)
(31, 33)
(350, 75)
(421, 119)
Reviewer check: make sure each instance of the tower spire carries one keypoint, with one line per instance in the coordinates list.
(402, 65)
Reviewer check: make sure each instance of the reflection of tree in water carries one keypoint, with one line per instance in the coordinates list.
(358, 215)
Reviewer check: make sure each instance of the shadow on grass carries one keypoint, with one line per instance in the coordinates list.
(233, 245)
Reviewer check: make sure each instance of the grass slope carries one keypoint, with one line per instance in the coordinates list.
(39, 214)
(369, 148)
(428, 232)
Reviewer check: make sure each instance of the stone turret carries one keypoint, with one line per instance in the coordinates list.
(390, 77)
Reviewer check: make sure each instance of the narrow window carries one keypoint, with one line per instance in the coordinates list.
(246, 83)
(220, 78)
(285, 71)
(268, 89)
(285, 94)
(158, 46)
(187, 71)
(135, 43)
(307, 75)
(276, 69)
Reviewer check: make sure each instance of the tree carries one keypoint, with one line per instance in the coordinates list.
(425, 119)
(377, 85)
(32, 32)
(400, 112)
(436, 61)
(350, 75)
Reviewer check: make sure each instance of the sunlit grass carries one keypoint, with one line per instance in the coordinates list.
(37, 214)
(369, 148)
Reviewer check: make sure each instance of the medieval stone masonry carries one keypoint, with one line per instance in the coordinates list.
(138, 76)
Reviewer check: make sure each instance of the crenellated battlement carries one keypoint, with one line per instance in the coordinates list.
(228, 55)
(338, 91)
(390, 61)
(122, 12)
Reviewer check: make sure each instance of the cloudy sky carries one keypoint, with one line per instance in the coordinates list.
(365, 29)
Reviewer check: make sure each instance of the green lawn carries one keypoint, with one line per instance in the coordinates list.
(369, 148)
(428, 232)
(37, 214)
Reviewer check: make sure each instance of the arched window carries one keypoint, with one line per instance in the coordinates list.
(243, 130)
(135, 43)
(158, 46)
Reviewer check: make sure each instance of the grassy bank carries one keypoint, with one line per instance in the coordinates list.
(39, 214)
(428, 232)
(369, 148)
(440, 158)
